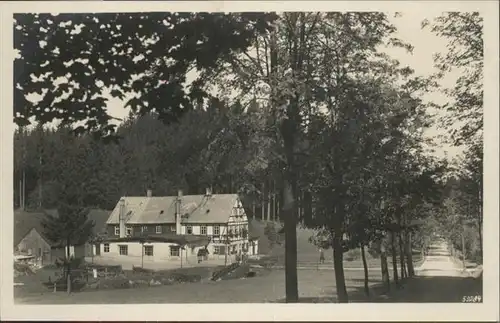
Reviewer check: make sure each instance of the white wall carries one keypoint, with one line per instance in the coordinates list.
(161, 251)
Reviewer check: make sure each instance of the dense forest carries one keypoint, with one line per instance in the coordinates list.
(302, 114)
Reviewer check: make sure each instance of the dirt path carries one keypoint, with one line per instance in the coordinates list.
(439, 279)
(439, 263)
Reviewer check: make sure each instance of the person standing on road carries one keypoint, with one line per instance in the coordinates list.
(321, 256)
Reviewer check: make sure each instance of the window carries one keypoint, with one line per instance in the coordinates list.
(174, 251)
(148, 250)
(189, 229)
(216, 230)
(158, 229)
(203, 230)
(144, 228)
(117, 230)
(217, 250)
(106, 247)
(123, 250)
(129, 231)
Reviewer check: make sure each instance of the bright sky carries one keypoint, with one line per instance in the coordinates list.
(425, 45)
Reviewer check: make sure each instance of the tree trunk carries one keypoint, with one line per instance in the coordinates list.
(308, 216)
(24, 191)
(269, 202)
(253, 209)
(40, 189)
(278, 211)
(463, 247)
(21, 194)
(274, 202)
(262, 204)
(68, 266)
(409, 255)
(299, 206)
(291, 283)
(394, 258)
(401, 256)
(480, 224)
(365, 268)
(338, 265)
(480, 231)
(384, 267)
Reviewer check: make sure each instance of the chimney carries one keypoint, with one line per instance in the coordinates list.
(121, 209)
(178, 213)
(149, 193)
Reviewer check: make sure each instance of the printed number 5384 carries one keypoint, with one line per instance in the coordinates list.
(471, 299)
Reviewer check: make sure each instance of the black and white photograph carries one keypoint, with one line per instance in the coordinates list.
(176, 154)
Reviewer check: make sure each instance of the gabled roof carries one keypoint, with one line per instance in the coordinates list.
(25, 221)
(216, 208)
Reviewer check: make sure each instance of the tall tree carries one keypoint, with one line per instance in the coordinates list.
(463, 32)
(95, 55)
(69, 228)
(284, 70)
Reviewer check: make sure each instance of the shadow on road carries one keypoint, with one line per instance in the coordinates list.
(440, 289)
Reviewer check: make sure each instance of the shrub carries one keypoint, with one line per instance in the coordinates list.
(141, 270)
(22, 269)
(184, 278)
(353, 254)
(114, 283)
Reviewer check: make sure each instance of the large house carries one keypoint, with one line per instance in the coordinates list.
(177, 227)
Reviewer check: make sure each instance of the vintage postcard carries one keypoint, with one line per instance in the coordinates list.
(227, 160)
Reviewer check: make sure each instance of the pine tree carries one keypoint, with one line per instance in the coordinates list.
(69, 228)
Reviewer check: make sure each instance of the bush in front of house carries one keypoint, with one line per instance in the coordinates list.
(241, 271)
(142, 270)
(218, 274)
(184, 278)
(114, 283)
(140, 277)
(61, 284)
(233, 271)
